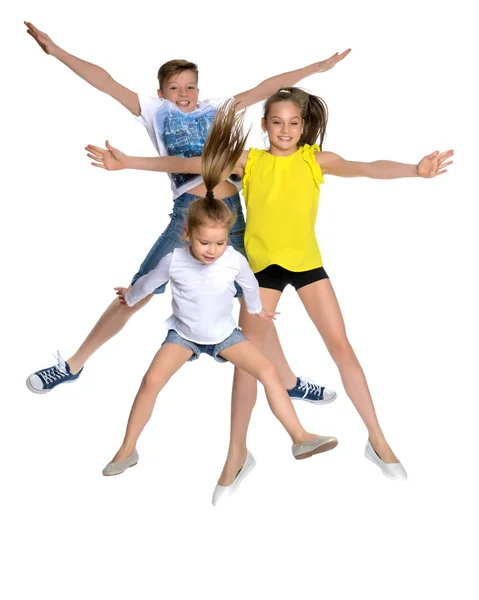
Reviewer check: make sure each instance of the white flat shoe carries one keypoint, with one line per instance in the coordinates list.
(223, 492)
(391, 470)
(119, 467)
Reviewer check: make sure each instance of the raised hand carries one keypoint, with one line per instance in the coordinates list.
(120, 292)
(267, 315)
(42, 39)
(108, 158)
(434, 164)
(332, 61)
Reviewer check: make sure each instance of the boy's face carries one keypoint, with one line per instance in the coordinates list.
(182, 90)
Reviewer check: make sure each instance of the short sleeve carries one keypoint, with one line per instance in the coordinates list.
(149, 107)
(309, 155)
(253, 157)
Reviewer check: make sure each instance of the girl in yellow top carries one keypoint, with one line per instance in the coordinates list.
(281, 188)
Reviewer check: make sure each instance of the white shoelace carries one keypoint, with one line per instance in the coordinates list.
(308, 385)
(56, 372)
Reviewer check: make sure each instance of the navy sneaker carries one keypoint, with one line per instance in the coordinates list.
(306, 390)
(45, 380)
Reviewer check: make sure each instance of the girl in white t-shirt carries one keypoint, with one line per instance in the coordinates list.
(202, 276)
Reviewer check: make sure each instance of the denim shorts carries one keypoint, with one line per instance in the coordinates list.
(213, 350)
(172, 237)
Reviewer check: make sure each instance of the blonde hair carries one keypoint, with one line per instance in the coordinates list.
(222, 150)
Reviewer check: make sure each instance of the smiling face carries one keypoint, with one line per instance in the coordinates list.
(182, 90)
(208, 242)
(284, 126)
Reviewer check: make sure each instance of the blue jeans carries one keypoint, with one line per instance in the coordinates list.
(235, 337)
(172, 237)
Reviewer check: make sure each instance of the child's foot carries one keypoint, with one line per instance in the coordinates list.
(317, 445)
(45, 380)
(387, 462)
(233, 465)
(223, 492)
(383, 449)
(119, 465)
(306, 390)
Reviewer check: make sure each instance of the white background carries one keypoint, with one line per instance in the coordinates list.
(401, 255)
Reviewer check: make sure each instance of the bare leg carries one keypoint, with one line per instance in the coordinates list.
(167, 361)
(110, 323)
(250, 359)
(322, 306)
(244, 389)
(273, 350)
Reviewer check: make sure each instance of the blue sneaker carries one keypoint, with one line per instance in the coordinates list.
(45, 380)
(306, 390)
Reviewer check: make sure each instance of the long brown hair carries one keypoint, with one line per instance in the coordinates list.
(314, 113)
(222, 150)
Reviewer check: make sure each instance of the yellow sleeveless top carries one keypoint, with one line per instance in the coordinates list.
(281, 196)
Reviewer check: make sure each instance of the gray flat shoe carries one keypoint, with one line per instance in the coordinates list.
(321, 443)
(119, 467)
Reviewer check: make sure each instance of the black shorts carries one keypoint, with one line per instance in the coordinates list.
(275, 277)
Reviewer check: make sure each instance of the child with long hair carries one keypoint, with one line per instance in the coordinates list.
(177, 123)
(281, 190)
(202, 276)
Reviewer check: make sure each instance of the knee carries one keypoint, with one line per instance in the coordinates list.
(152, 382)
(340, 349)
(269, 374)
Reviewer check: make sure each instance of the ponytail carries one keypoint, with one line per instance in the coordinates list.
(222, 150)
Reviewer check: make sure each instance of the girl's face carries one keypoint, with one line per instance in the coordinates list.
(182, 91)
(208, 242)
(284, 127)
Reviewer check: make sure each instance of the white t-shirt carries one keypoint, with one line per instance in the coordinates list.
(175, 133)
(202, 294)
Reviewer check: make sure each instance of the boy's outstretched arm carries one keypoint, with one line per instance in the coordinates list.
(431, 165)
(94, 75)
(270, 86)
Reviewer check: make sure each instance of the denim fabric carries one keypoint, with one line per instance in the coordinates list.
(213, 350)
(172, 237)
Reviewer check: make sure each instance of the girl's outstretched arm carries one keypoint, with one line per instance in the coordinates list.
(270, 86)
(112, 159)
(431, 165)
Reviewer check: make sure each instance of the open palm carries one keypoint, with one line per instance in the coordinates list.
(434, 164)
(332, 61)
(108, 158)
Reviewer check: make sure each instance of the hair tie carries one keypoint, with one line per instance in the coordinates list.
(210, 195)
